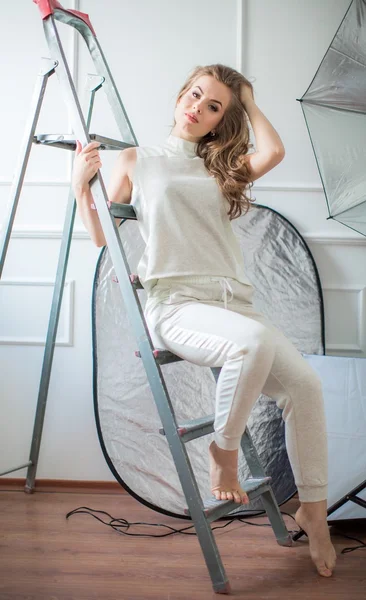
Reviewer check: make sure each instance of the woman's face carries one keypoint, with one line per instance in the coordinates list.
(201, 108)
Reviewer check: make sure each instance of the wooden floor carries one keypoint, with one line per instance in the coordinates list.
(43, 556)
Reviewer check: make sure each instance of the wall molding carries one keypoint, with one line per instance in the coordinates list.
(359, 346)
(81, 234)
(37, 183)
(68, 314)
(334, 240)
(270, 187)
(240, 6)
(288, 187)
(47, 234)
(62, 485)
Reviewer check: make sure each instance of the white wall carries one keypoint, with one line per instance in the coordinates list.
(150, 46)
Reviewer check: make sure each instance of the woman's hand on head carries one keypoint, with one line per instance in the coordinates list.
(86, 164)
(246, 92)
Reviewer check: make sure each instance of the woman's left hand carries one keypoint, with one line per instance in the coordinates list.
(246, 92)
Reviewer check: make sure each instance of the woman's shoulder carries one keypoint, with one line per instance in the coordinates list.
(127, 161)
(133, 153)
(132, 159)
(149, 151)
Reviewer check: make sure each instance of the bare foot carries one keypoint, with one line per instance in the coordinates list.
(224, 475)
(315, 525)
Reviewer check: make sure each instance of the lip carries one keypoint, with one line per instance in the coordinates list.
(192, 118)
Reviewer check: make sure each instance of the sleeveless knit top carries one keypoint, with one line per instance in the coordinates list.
(182, 216)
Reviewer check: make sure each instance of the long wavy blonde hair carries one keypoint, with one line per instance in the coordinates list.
(223, 153)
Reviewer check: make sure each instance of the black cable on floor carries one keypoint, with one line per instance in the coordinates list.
(122, 526)
(351, 548)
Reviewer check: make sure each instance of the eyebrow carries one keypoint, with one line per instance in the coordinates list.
(212, 100)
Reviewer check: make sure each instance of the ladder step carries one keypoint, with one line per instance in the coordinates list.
(190, 430)
(214, 509)
(136, 283)
(162, 357)
(123, 211)
(67, 141)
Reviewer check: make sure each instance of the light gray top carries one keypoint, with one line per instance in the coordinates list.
(182, 216)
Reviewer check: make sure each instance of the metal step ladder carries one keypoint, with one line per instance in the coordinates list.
(201, 512)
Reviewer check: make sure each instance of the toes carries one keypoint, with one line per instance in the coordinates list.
(237, 497)
(226, 495)
(323, 570)
(232, 495)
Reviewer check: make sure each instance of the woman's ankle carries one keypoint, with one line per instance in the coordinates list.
(314, 511)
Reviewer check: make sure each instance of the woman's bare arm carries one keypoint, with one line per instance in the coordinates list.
(269, 147)
(87, 162)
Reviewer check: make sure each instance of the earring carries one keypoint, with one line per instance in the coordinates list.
(213, 133)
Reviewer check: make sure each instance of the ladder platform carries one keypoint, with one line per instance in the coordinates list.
(162, 357)
(190, 430)
(67, 141)
(214, 509)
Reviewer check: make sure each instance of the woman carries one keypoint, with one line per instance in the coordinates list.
(199, 303)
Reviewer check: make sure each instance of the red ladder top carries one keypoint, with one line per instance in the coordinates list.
(48, 6)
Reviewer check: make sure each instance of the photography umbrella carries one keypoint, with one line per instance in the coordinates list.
(334, 107)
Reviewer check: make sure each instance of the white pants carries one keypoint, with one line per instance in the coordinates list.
(210, 321)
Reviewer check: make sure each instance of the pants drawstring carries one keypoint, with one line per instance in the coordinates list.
(225, 285)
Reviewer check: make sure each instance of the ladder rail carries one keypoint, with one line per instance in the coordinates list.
(95, 83)
(47, 69)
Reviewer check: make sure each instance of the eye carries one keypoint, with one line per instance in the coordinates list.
(211, 106)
